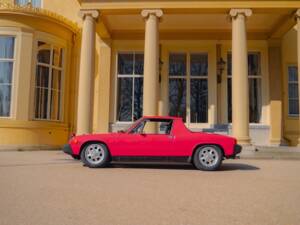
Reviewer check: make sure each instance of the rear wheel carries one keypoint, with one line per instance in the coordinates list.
(208, 158)
(95, 155)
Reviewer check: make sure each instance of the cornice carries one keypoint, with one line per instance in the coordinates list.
(7, 8)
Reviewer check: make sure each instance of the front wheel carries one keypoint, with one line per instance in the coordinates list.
(95, 155)
(208, 158)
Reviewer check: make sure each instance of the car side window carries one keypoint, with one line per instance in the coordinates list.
(154, 126)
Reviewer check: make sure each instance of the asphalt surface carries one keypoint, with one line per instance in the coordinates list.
(41, 188)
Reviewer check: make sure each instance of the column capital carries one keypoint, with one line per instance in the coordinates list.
(297, 14)
(235, 12)
(93, 13)
(156, 12)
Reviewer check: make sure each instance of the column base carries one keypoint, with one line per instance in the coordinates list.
(278, 142)
(244, 141)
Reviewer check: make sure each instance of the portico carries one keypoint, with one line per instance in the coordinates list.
(185, 40)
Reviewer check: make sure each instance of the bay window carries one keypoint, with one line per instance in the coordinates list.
(7, 45)
(130, 86)
(48, 82)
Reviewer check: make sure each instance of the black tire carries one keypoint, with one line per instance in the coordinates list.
(208, 158)
(76, 157)
(89, 161)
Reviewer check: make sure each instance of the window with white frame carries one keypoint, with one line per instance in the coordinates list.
(130, 86)
(255, 95)
(293, 91)
(193, 78)
(48, 82)
(7, 48)
(33, 3)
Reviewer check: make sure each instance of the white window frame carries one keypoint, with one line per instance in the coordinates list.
(288, 87)
(133, 76)
(188, 77)
(250, 76)
(13, 60)
(51, 67)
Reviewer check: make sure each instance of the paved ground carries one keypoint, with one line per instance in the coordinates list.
(41, 188)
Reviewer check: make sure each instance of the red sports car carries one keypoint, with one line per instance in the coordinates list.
(154, 138)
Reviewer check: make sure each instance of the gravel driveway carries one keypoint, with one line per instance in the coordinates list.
(48, 187)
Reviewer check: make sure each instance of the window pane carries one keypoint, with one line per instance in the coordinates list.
(293, 90)
(293, 73)
(199, 100)
(125, 63)
(55, 105)
(199, 64)
(139, 64)
(177, 64)
(254, 64)
(177, 97)
(7, 45)
(125, 99)
(254, 100)
(138, 98)
(5, 99)
(6, 69)
(56, 79)
(42, 76)
(44, 52)
(41, 103)
(57, 56)
(293, 106)
(229, 99)
(36, 3)
(229, 64)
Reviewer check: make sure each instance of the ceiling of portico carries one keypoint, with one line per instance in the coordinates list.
(194, 18)
(261, 25)
(191, 21)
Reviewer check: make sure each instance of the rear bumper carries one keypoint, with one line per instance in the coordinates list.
(67, 149)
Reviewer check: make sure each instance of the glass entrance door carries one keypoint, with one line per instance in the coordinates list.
(188, 86)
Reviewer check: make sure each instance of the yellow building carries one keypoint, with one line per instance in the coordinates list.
(226, 66)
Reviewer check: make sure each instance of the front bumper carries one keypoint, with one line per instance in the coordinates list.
(236, 150)
(67, 149)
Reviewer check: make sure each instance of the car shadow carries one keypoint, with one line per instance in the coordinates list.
(224, 167)
(237, 166)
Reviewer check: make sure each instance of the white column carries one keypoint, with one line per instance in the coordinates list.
(86, 73)
(298, 51)
(240, 89)
(151, 61)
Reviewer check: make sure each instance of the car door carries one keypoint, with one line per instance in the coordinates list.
(140, 142)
